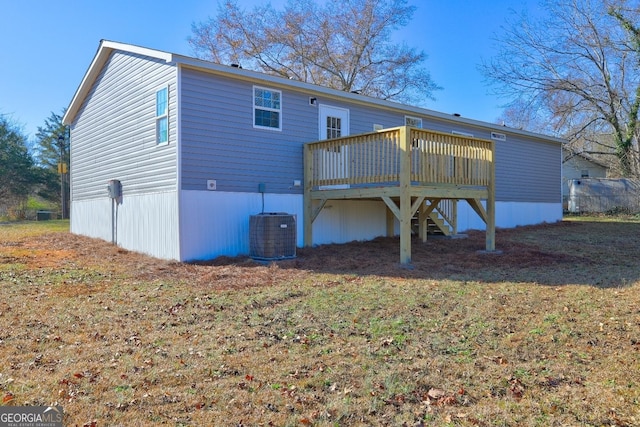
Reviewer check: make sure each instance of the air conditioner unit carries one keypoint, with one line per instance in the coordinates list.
(272, 236)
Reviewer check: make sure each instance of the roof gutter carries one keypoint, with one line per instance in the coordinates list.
(107, 47)
(255, 76)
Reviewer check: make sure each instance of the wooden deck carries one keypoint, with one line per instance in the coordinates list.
(415, 172)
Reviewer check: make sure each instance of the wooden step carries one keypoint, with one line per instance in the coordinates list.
(440, 224)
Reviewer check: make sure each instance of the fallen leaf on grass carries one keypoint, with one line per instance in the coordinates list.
(436, 393)
(397, 400)
(7, 398)
(498, 360)
(173, 310)
(438, 397)
(516, 389)
(450, 418)
(386, 342)
(446, 401)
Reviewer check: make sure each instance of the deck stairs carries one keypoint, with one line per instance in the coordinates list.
(439, 221)
(437, 225)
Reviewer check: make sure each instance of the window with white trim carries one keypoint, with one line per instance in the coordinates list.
(267, 108)
(415, 122)
(162, 116)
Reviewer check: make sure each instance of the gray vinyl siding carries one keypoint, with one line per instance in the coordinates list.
(114, 133)
(528, 170)
(219, 141)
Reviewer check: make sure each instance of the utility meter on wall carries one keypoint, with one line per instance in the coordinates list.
(114, 188)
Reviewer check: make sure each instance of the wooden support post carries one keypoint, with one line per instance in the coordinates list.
(491, 203)
(405, 195)
(425, 211)
(308, 201)
(422, 222)
(391, 231)
(454, 216)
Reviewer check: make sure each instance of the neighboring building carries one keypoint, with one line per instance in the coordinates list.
(604, 195)
(576, 166)
(199, 147)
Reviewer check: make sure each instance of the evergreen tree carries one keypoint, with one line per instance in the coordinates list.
(50, 152)
(18, 174)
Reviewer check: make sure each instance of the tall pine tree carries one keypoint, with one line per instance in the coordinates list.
(18, 174)
(49, 153)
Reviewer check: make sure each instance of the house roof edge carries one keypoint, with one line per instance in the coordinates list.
(263, 78)
(106, 47)
(100, 58)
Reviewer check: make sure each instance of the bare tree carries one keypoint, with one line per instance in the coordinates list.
(342, 44)
(578, 67)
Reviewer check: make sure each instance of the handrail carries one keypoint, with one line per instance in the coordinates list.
(375, 158)
(447, 209)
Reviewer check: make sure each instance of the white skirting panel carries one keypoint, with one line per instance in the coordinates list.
(146, 223)
(215, 223)
(510, 214)
(91, 218)
(342, 221)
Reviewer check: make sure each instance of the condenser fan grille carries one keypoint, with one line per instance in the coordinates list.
(272, 236)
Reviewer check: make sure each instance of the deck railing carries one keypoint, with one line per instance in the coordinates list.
(385, 157)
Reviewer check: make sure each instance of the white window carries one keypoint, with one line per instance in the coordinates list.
(267, 108)
(162, 116)
(334, 127)
(415, 122)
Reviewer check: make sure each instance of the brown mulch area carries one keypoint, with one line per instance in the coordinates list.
(438, 258)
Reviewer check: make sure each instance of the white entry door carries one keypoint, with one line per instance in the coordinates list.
(334, 123)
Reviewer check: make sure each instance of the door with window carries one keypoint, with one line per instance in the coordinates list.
(334, 123)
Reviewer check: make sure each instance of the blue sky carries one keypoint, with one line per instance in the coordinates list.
(46, 47)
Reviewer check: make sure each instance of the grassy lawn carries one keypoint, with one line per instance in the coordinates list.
(547, 333)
